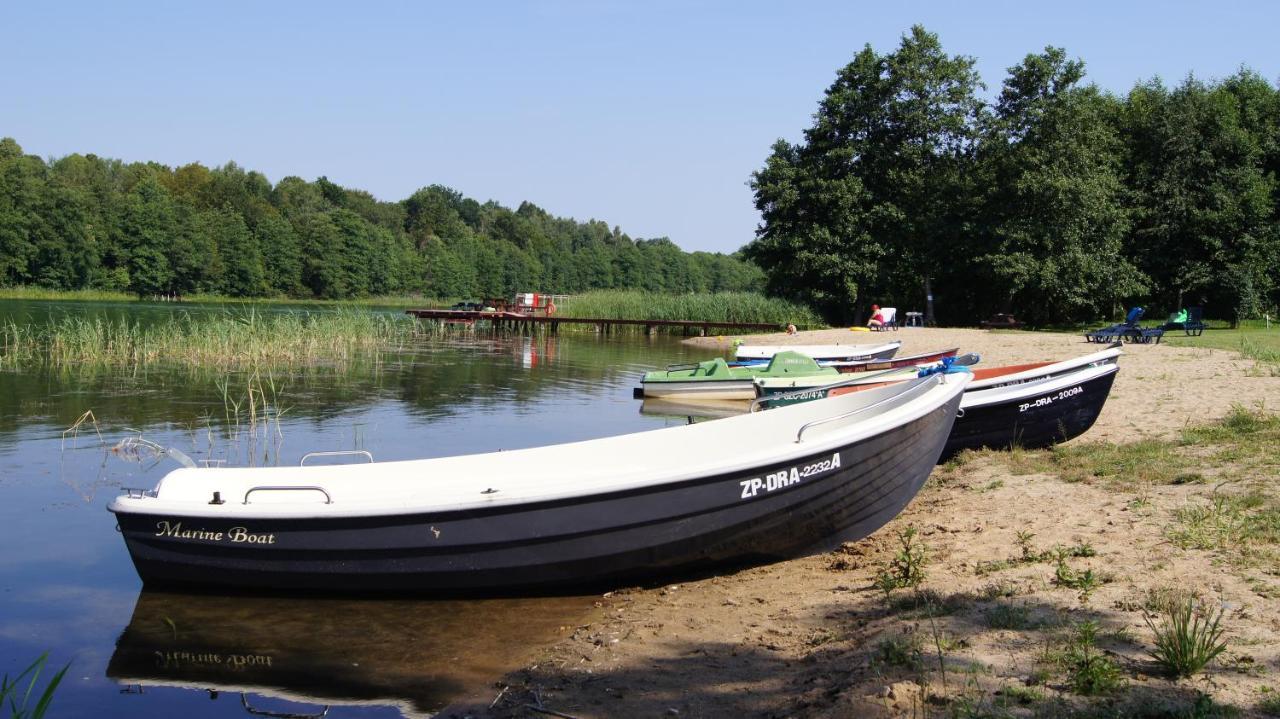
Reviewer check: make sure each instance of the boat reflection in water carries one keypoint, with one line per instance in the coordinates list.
(415, 655)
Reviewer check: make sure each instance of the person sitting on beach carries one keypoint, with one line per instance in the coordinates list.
(877, 319)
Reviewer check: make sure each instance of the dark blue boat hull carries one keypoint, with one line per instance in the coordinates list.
(1032, 421)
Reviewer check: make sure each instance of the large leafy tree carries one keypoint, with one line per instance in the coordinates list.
(1204, 229)
(871, 204)
(1052, 225)
(147, 227)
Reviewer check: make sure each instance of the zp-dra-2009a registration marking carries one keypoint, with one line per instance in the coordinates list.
(1050, 398)
(786, 477)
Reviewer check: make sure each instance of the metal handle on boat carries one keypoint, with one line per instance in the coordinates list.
(826, 387)
(244, 702)
(923, 384)
(273, 488)
(338, 453)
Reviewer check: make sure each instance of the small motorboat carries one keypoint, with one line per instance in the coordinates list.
(1033, 407)
(894, 363)
(822, 353)
(715, 379)
(1025, 405)
(819, 386)
(747, 489)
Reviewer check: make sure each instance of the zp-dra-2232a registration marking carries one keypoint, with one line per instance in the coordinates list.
(787, 477)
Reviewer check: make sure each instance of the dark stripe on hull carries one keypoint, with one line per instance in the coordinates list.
(577, 542)
(1033, 421)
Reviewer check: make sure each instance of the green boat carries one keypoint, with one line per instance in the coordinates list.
(715, 379)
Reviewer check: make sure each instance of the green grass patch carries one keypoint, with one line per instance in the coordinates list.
(232, 339)
(1233, 523)
(1252, 339)
(1245, 438)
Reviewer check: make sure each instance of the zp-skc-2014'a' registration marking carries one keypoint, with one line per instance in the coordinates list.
(787, 477)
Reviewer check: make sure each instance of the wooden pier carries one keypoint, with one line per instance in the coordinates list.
(525, 321)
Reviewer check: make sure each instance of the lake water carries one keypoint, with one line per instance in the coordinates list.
(67, 586)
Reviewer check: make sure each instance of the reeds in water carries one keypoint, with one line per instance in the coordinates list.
(228, 340)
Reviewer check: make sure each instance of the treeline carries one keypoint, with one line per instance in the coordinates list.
(1055, 201)
(86, 222)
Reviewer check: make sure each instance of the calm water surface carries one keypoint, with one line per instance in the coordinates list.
(67, 586)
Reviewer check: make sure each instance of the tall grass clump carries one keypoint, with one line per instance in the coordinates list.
(1268, 356)
(31, 292)
(227, 340)
(17, 693)
(1186, 640)
(703, 307)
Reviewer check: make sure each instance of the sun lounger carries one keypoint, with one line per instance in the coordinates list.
(1127, 331)
(890, 315)
(1192, 324)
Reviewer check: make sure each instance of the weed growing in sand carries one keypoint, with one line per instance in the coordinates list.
(1029, 555)
(989, 566)
(906, 569)
(1023, 538)
(1002, 590)
(1233, 523)
(820, 636)
(1164, 599)
(903, 651)
(927, 602)
(1016, 694)
(1007, 615)
(1086, 581)
(1187, 640)
(978, 706)
(1089, 671)
(1270, 702)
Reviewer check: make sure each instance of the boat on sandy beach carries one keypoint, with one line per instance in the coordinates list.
(1033, 407)
(1025, 405)
(752, 488)
(893, 363)
(827, 353)
(819, 386)
(716, 379)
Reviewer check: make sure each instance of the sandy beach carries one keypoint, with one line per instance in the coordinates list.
(813, 637)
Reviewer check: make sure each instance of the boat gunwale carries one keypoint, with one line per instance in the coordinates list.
(1110, 355)
(759, 352)
(978, 398)
(899, 412)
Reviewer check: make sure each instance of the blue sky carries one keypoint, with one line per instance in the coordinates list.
(650, 115)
